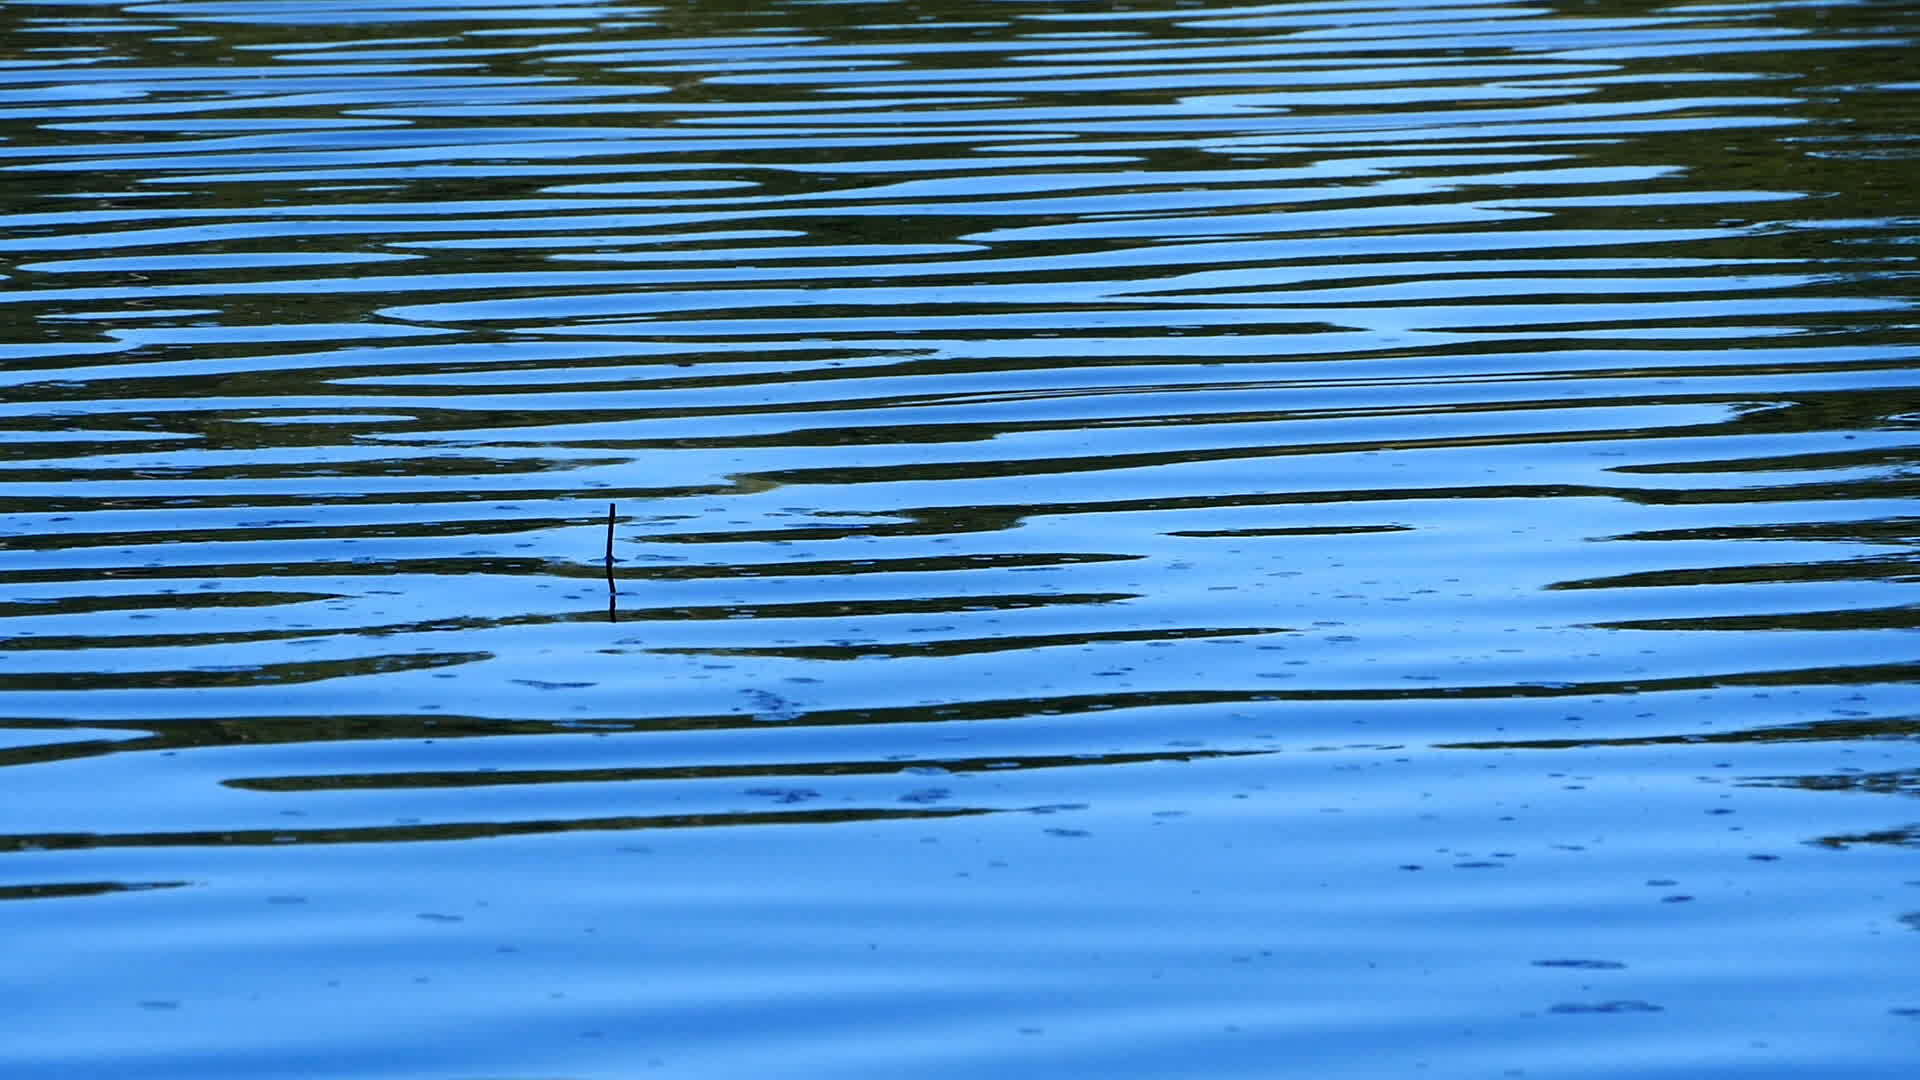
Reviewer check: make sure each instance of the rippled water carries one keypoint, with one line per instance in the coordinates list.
(1304, 539)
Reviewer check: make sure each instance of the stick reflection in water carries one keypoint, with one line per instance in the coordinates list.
(612, 612)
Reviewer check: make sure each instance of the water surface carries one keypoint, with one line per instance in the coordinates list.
(1328, 538)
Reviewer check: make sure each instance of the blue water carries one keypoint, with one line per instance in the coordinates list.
(1324, 539)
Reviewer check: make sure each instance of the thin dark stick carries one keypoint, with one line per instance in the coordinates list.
(611, 616)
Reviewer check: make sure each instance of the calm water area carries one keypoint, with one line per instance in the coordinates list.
(963, 540)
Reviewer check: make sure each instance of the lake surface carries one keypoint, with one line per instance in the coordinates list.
(1341, 538)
